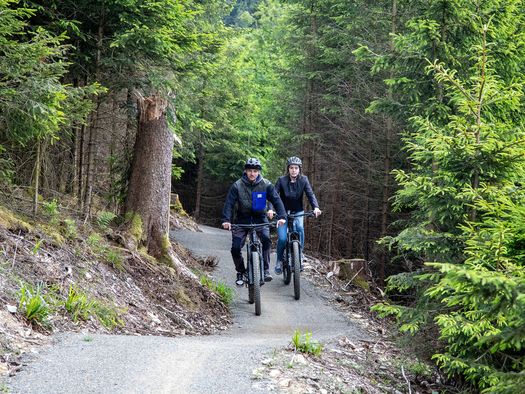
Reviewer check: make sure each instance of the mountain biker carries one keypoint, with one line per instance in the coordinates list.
(249, 194)
(291, 188)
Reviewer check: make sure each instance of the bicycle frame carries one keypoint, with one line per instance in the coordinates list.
(293, 235)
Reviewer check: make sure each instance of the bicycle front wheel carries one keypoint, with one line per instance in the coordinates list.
(296, 256)
(256, 266)
(287, 272)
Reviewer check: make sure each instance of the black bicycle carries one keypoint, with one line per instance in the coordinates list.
(254, 263)
(292, 258)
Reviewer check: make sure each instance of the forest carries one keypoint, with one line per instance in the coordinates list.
(409, 117)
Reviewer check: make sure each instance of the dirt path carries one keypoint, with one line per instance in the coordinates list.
(215, 364)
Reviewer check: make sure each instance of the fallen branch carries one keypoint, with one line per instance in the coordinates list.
(406, 380)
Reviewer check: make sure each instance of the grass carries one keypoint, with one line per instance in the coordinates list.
(225, 292)
(305, 344)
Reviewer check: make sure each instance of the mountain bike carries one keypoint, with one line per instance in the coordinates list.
(254, 263)
(293, 253)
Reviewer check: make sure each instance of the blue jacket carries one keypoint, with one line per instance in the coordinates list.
(246, 214)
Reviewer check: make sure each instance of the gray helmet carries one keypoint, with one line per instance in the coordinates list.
(294, 160)
(253, 163)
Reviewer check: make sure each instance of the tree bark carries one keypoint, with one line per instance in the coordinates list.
(148, 201)
(200, 176)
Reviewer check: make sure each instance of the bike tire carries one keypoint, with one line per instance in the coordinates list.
(296, 256)
(287, 272)
(251, 294)
(256, 282)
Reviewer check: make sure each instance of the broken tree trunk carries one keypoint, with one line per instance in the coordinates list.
(148, 200)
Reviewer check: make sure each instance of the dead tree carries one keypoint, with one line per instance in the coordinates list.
(148, 200)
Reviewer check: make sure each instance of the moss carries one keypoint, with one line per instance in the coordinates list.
(184, 299)
(362, 283)
(166, 244)
(12, 223)
(143, 252)
(176, 206)
(53, 233)
(135, 227)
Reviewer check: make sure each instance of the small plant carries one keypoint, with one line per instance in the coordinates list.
(114, 257)
(225, 292)
(104, 219)
(50, 209)
(33, 303)
(94, 242)
(78, 304)
(88, 338)
(107, 316)
(70, 228)
(37, 246)
(305, 344)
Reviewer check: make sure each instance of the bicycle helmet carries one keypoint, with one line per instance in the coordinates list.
(253, 163)
(294, 160)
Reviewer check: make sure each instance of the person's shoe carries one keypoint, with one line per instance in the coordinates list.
(278, 268)
(240, 279)
(267, 276)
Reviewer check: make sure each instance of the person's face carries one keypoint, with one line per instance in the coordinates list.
(252, 174)
(293, 170)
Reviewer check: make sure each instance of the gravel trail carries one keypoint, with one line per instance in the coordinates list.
(220, 363)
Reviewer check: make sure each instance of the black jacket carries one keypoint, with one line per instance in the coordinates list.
(242, 216)
(291, 193)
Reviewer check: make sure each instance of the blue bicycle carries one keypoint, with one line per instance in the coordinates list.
(292, 257)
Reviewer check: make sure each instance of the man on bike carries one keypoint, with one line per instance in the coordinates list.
(291, 188)
(250, 194)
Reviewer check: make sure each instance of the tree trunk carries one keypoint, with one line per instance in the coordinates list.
(200, 176)
(148, 201)
(36, 182)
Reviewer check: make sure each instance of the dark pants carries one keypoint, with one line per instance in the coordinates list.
(238, 240)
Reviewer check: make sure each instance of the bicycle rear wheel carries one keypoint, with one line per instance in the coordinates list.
(296, 258)
(256, 282)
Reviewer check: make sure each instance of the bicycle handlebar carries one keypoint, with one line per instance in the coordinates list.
(253, 225)
(309, 213)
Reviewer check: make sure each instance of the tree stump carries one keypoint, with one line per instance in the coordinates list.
(347, 269)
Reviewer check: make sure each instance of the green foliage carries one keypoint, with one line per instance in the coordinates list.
(50, 209)
(108, 316)
(94, 241)
(81, 306)
(466, 148)
(101, 249)
(37, 246)
(35, 303)
(225, 292)
(77, 304)
(114, 257)
(305, 344)
(104, 219)
(70, 228)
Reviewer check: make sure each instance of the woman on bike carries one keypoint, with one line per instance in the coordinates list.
(291, 188)
(250, 194)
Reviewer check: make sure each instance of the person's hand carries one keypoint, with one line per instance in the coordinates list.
(317, 212)
(280, 222)
(270, 214)
(227, 226)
